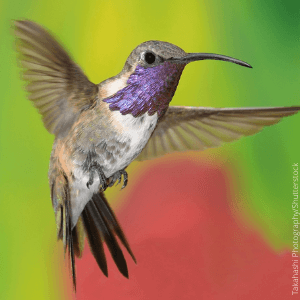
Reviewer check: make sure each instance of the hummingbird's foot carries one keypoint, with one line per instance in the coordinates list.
(118, 176)
(96, 167)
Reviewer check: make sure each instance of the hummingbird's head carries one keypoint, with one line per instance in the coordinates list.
(152, 54)
(152, 71)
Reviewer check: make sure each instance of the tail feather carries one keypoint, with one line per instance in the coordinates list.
(65, 229)
(109, 238)
(75, 239)
(78, 236)
(69, 237)
(107, 213)
(97, 222)
(72, 257)
(61, 201)
(94, 239)
(101, 226)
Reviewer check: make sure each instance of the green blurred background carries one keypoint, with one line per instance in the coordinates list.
(100, 35)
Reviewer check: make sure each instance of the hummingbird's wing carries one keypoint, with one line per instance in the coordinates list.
(58, 88)
(197, 128)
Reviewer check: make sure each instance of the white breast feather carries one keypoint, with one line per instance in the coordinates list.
(131, 129)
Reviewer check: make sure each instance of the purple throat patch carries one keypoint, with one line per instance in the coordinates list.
(148, 90)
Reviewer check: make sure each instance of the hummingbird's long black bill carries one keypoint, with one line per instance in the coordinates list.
(201, 56)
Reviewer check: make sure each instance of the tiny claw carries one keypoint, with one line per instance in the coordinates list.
(96, 167)
(111, 184)
(104, 187)
(103, 179)
(118, 177)
(90, 182)
(125, 179)
(124, 184)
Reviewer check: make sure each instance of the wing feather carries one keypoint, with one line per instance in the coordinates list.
(198, 128)
(58, 88)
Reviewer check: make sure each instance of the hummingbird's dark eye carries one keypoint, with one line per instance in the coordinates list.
(149, 58)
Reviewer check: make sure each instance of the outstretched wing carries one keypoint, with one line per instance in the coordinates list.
(58, 88)
(197, 128)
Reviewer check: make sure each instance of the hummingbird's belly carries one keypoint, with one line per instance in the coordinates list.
(113, 153)
(133, 134)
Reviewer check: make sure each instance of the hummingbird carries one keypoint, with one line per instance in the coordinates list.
(101, 128)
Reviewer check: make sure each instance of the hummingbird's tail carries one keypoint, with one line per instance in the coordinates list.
(101, 225)
(97, 222)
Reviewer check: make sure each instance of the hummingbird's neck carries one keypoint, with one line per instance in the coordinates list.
(148, 90)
